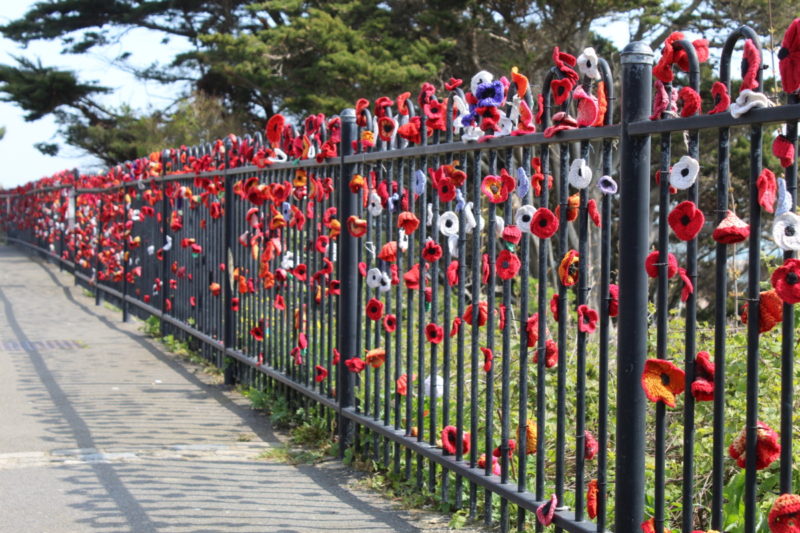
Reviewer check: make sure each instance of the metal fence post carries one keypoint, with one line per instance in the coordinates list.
(227, 312)
(97, 250)
(346, 324)
(165, 215)
(125, 251)
(637, 62)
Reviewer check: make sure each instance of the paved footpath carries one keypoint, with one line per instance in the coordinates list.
(101, 431)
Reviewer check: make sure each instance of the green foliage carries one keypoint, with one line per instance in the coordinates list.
(152, 326)
(41, 90)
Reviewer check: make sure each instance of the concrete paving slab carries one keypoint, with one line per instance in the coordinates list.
(101, 431)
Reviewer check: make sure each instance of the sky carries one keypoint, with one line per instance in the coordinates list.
(21, 161)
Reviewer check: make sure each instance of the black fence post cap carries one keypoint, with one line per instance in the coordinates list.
(636, 52)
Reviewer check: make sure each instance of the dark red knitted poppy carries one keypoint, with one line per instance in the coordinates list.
(544, 223)
(374, 309)
(594, 214)
(686, 220)
(355, 364)
(691, 101)
(390, 323)
(652, 269)
(613, 300)
(703, 384)
(321, 373)
(434, 333)
(590, 445)
(507, 264)
(488, 357)
(452, 273)
(783, 149)
(554, 307)
(431, 252)
(587, 319)
(786, 281)
(722, 100)
(767, 190)
(450, 440)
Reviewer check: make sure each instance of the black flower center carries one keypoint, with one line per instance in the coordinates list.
(685, 220)
(543, 222)
(526, 219)
(789, 231)
(685, 172)
(792, 278)
(664, 379)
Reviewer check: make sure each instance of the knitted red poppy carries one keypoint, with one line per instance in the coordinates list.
(485, 270)
(452, 273)
(688, 286)
(455, 326)
(431, 252)
(561, 122)
(731, 230)
(550, 354)
(446, 189)
(691, 101)
(388, 252)
(767, 190)
(507, 264)
(786, 281)
(450, 440)
(512, 445)
(544, 223)
(686, 220)
(703, 384)
(300, 272)
(560, 89)
(453, 84)
(355, 364)
(783, 149)
(662, 381)
(768, 447)
(789, 56)
(320, 373)
(751, 64)
(362, 106)
(784, 517)
(274, 129)
(497, 188)
(591, 499)
(573, 203)
(587, 319)
(722, 100)
(412, 277)
(257, 333)
(511, 234)
(408, 222)
(652, 269)
(771, 310)
(532, 329)
(434, 333)
(483, 313)
(390, 323)
(613, 300)
(594, 214)
(488, 356)
(374, 309)
(590, 446)
(554, 307)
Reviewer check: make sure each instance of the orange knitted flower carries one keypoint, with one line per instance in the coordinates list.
(568, 269)
(770, 310)
(375, 357)
(662, 381)
(531, 436)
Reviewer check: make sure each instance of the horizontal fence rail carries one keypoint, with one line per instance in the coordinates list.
(452, 308)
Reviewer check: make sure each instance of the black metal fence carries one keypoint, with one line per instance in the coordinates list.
(455, 307)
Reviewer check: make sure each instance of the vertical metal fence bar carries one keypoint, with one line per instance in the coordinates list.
(348, 279)
(491, 249)
(753, 333)
(605, 302)
(636, 61)
(787, 332)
